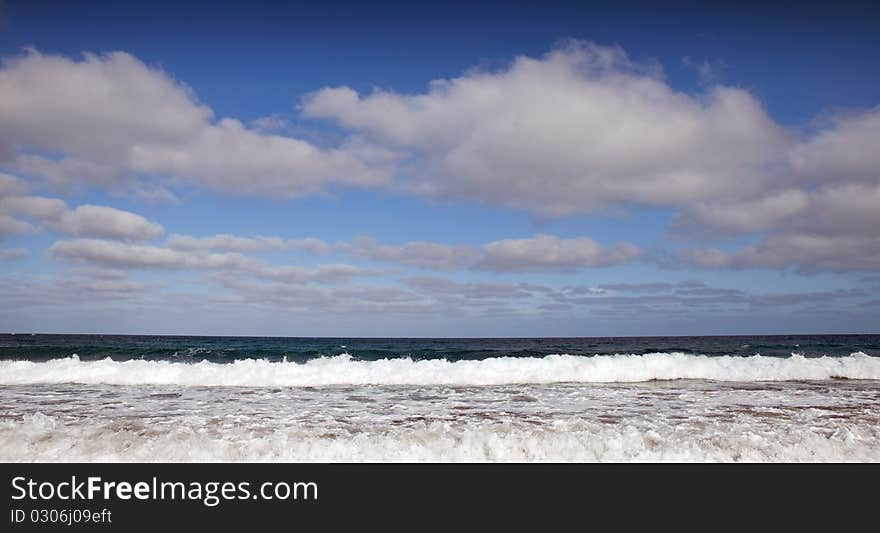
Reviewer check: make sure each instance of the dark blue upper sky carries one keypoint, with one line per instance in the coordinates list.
(752, 259)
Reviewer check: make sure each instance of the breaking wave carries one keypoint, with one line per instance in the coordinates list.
(345, 370)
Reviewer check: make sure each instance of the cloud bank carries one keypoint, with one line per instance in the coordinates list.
(585, 129)
(581, 129)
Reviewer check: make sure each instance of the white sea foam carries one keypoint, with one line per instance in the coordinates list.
(45, 438)
(344, 370)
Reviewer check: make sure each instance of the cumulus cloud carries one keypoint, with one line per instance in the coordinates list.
(130, 256)
(804, 252)
(745, 216)
(828, 223)
(834, 229)
(549, 252)
(228, 156)
(10, 185)
(426, 255)
(107, 105)
(541, 253)
(111, 116)
(583, 128)
(10, 226)
(83, 221)
(579, 129)
(310, 245)
(838, 208)
(846, 209)
(35, 207)
(108, 222)
(68, 173)
(225, 243)
(328, 273)
(845, 150)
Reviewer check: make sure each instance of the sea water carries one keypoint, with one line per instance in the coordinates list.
(141, 398)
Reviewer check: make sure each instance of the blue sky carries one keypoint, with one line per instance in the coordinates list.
(498, 169)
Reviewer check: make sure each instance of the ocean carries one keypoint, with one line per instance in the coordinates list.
(162, 398)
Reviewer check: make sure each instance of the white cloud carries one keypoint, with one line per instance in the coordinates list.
(67, 173)
(228, 254)
(579, 129)
(322, 273)
(549, 252)
(225, 243)
(584, 128)
(829, 223)
(846, 209)
(134, 256)
(108, 222)
(100, 107)
(845, 150)
(84, 221)
(804, 252)
(541, 253)
(831, 229)
(10, 226)
(746, 216)
(418, 254)
(10, 185)
(229, 157)
(111, 116)
(310, 245)
(130, 256)
(36, 207)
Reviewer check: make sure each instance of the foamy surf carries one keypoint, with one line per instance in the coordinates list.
(45, 438)
(345, 370)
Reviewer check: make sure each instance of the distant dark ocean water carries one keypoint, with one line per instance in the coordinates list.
(224, 349)
(142, 398)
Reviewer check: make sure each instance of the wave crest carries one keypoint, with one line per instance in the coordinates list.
(345, 370)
